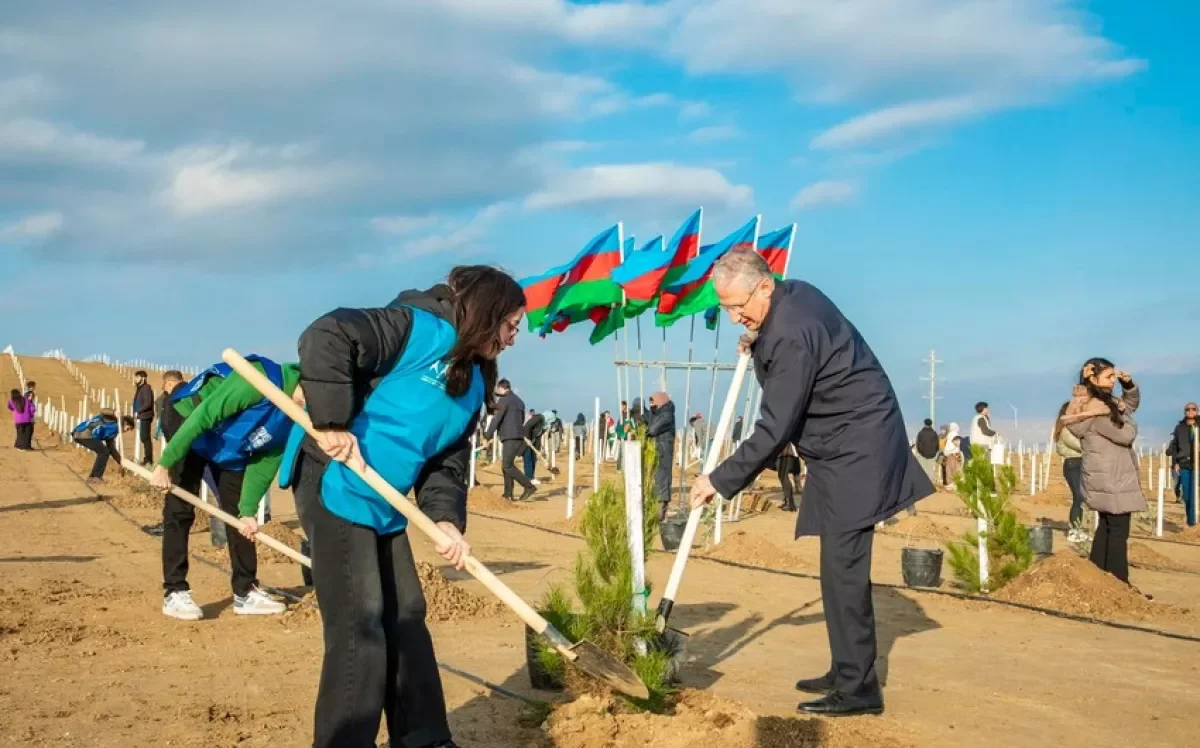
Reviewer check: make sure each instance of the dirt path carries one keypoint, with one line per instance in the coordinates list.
(89, 661)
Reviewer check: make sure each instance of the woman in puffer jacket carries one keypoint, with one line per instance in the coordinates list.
(1071, 451)
(1104, 425)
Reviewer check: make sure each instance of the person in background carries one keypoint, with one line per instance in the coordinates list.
(579, 434)
(661, 429)
(982, 432)
(695, 427)
(24, 410)
(99, 434)
(555, 427)
(638, 414)
(735, 436)
(143, 408)
(952, 456)
(927, 449)
(1070, 450)
(31, 390)
(786, 466)
(221, 423)
(404, 385)
(1104, 425)
(509, 427)
(535, 426)
(1182, 450)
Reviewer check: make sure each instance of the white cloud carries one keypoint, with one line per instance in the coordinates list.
(713, 133)
(901, 119)
(456, 238)
(608, 23)
(660, 183)
(404, 224)
(22, 91)
(34, 226)
(694, 110)
(827, 192)
(31, 139)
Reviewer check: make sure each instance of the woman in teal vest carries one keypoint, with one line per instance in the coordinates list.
(400, 387)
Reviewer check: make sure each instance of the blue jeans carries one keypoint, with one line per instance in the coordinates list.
(1189, 501)
(530, 462)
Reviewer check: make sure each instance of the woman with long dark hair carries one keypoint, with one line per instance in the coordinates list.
(1104, 425)
(1071, 451)
(24, 410)
(400, 387)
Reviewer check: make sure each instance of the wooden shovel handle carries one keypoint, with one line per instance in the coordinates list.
(222, 515)
(402, 505)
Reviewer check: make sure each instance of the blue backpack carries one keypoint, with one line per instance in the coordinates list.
(100, 427)
(259, 428)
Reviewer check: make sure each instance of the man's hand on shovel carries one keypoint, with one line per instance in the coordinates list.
(341, 446)
(458, 549)
(702, 492)
(160, 478)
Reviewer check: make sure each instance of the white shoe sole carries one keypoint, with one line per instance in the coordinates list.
(182, 616)
(258, 611)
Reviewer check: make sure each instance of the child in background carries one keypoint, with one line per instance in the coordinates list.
(23, 410)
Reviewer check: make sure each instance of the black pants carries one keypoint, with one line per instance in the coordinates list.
(24, 436)
(178, 516)
(1110, 547)
(104, 450)
(510, 450)
(1073, 473)
(849, 610)
(788, 467)
(378, 652)
(147, 441)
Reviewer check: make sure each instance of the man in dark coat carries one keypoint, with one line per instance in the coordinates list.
(661, 428)
(143, 406)
(825, 392)
(927, 448)
(509, 425)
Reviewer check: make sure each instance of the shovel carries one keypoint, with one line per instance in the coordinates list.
(222, 515)
(586, 656)
(553, 470)
(673, 637)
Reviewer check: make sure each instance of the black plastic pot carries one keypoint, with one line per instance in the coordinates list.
(305, 572)
(539, 678)
(1041, 538)
(922, 567)
(671, 531)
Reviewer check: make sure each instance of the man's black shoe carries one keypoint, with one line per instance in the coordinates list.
(824, 684)
(838, 704)
(788, 507)
(529, 492)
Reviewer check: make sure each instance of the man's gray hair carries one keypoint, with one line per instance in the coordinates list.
(742, 266)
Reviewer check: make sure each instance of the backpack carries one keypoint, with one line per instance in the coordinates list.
(258, 428)
(103, 426)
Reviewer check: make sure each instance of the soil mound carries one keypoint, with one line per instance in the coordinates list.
(444, 601)
(743, 548)
(920, 526)
(1069, 583)
(302, 612)
(702, 721)
(1189, 534)
(1143, 555)
(281, 533)
(485, 499)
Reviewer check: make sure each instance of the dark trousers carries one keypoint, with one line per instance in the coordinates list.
(1110, 546)
(788, 467)
(147, 441)
(1073, 473)
(1186, 492)
(379, 655)
(178, 516)
(510, 450)
(849, 609)
(104, 450)
(530, 463)
(24, 436)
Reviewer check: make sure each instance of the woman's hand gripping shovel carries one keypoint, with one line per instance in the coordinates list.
(586, 656)
(674, 639)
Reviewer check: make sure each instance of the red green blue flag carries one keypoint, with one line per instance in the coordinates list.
(587, 282)
(692, 288)
(775, 248)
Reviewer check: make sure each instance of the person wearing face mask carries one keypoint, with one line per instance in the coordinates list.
(400, 387)
(1106, 430)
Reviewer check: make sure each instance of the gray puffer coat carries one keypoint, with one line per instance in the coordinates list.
(1110, 468)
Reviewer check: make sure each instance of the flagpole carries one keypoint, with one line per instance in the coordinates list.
(687, 414)
(662, 378)
(626, 336)
(617, 333)
(712, 391)
(641, 371)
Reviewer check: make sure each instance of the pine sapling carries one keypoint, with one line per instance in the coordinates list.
(987, 492)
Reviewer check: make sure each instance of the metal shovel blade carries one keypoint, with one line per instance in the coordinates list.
(601, 665)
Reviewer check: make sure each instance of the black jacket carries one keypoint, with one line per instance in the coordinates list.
(510, 418)
(1180, 448)
(143, 402)
(345, 353)
(661, 428)
(824, 391)
(534, 427)
(927, 443)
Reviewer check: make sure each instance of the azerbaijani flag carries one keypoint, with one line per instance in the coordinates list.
(693, 288)
(587, 282)
(683, 247)
(539, 292)
(775, 248)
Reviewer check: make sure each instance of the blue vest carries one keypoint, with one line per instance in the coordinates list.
(259, 428)
(406, 420)
(100, 429)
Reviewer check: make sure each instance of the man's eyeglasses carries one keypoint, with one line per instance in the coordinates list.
(739, 307)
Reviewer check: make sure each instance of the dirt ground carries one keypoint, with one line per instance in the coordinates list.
(87, 659)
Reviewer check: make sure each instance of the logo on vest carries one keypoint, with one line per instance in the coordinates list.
(258, 438)
(435, 375)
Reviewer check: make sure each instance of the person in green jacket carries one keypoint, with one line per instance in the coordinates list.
(221, 423)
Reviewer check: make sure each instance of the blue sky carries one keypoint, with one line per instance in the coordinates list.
(1013, 183)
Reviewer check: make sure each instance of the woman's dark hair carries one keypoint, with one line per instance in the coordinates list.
(484, 298)
(1094, 367)
(17, 399)
(1058, 422)
(580, 420)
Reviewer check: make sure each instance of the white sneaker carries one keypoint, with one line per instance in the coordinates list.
(535, 481)
(257, 603)
(180, 605)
